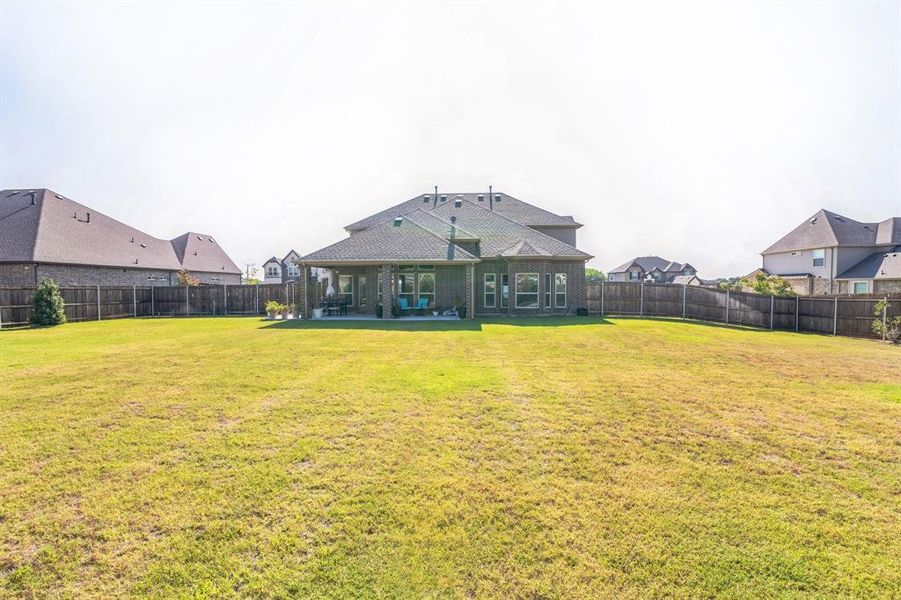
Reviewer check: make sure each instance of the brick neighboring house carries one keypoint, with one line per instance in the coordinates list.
(655, 270)
(832, 254)
(46, 235)
(491, 253)
(286, 270)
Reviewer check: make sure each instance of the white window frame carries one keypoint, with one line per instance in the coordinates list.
(363, 290)
(485, 292)
(854, 287)
(819, 255)
(557, 293)
(430, 296)
(517, 293)
(505, 290)
(293, 270)
(272, 271)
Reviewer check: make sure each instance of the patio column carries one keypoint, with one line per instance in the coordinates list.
(304, 290)
(386, 285)
(471, 290)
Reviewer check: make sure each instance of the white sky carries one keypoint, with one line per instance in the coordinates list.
(698, 132)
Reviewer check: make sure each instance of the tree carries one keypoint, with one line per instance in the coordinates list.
(733, 284)
(185, 278)
(251, 281)
(891, 329)
(48, 304)
(769, 285)
(594, 276)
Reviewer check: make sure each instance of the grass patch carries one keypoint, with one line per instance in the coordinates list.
(520, 458)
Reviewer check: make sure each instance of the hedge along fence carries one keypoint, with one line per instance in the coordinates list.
(850, 316)
(95, 303)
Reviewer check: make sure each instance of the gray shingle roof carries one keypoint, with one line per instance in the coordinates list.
(648, 263)
(498, 233)
(55, 229)
(508, 206)
(395, 240)
(200, 252)
(826, 229)
(879, 265)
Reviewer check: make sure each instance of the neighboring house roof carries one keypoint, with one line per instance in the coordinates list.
(200, 252)
(879, 265)
(45, 227)
(272, 260)
(826, 229)
(508, 206)
(292, 254)
(647, 263)
(686, 279)
(400, 239)
(499, 234)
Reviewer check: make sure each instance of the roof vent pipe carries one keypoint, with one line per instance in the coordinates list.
(435, 201)
(490, 198)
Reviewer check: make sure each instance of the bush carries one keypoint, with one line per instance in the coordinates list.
(273, 306)
(892, 328)
(49, 306)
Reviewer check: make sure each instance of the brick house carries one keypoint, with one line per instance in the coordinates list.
(44, 235)
(490, 253)
(284, 270)
(832, 254)
(654, 269)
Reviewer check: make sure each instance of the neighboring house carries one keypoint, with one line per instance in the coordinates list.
(492, 253)
(286, 270)
(832, 254)
(46, 235)
(653, 269)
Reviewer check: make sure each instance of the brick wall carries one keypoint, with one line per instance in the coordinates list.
(75, 275)
(887, 286)
(575, 286)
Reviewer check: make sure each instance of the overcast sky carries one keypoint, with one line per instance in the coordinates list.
(697, 132)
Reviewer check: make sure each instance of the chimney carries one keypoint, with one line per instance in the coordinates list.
(490, 198)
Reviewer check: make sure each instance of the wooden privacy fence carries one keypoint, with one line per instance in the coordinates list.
(94, 303)
(851, 316)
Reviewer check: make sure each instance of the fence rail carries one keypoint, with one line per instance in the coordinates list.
(95, 303)
(834, 315)
(839, 315)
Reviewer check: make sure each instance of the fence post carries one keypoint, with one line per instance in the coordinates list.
(835, 317)
(187, 301)
(684, 291)
(602, 298)
(134, 298)
(641, 300)
(286, 294)
(98, 302)
(884, 316)
(772, 303)
(152, 308)
(225, 299)
(256, 300)
(797, 313)
(727, 306)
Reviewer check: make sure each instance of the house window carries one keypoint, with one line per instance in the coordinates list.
(547, 289)
(505, 290)
(861, 287)
(346, 288)
(272, 271)
(634, 275)
(560, 290)
(427, 288)
(364, 291)
(819, 257)
(405, 287)
(527, 290)
(293, 270)
(490, 290)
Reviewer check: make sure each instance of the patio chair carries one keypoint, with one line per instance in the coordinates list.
(423, 304)
(404, 305)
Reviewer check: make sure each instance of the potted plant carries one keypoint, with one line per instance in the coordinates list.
(272, 307)
(283, 310)
(461, 310)
(378, 310)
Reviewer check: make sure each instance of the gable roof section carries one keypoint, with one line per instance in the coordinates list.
(879, 265)
(826, 229)
(647, 263)
(498, 234)
(889, 231)
(440, 227)
(272, 260)
(508, 206)
(58, 230)
(395, 240)
(200, 252)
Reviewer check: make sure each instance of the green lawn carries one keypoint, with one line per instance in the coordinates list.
(524, 458)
